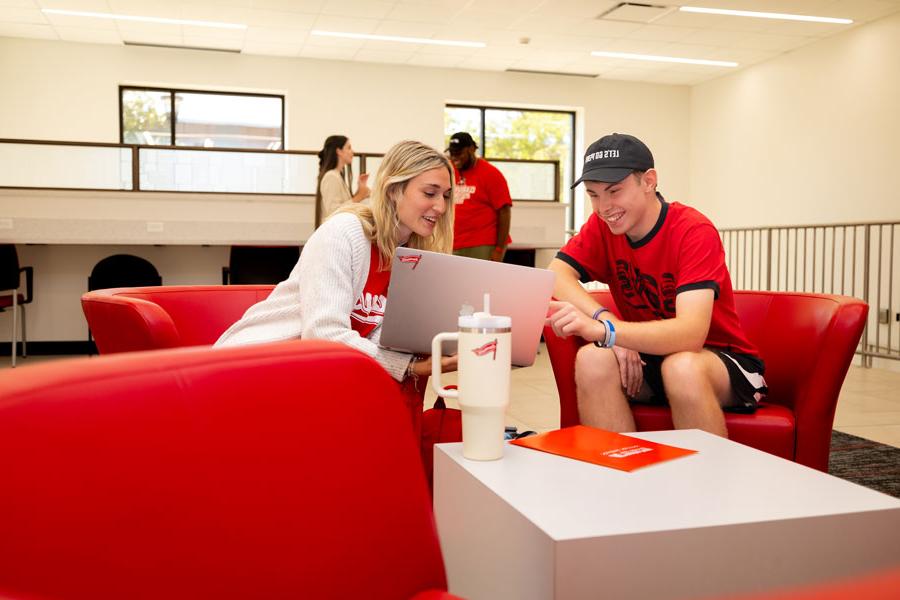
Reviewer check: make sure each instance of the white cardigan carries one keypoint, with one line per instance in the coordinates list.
(316, 299)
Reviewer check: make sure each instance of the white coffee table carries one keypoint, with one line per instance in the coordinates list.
(728, 519)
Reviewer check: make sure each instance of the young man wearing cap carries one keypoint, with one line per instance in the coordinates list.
(679, 339)
(483, 206)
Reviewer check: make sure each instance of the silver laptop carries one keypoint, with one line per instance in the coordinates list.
(428, 289)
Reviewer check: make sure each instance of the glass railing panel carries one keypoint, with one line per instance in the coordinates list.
(181, 170)
(65, 166)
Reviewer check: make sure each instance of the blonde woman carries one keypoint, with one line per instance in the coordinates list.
(332, 191)
(337, 291)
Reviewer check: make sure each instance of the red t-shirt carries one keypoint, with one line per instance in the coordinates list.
(682, 252)
(368, 311)
(480, 192)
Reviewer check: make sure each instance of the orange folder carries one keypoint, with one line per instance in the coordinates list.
(602, 447)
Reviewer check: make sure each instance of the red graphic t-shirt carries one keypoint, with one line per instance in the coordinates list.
(480, 192)
(682, 252)
(368, 311)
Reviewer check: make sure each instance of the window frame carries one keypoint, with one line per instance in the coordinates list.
(483, 108)
(173, 119)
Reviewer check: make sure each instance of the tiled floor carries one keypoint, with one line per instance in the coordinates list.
(869, 405)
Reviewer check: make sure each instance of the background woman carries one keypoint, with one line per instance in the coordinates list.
(332, 190)
(337, 291)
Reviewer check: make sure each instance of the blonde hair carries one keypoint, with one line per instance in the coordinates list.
(379, 219)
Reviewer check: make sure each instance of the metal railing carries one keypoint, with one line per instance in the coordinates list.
(852, 259)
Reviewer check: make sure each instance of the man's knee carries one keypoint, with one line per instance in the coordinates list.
(594, 365)
(685, 375)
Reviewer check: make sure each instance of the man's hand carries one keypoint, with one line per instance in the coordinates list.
(497, 253)
(567, 320)
(631, 370)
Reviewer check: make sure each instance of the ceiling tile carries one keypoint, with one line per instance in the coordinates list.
(340, 43)
(368, 9)
(407, 29)
(272, 48)
(88, 22)
(439, 12)
(658, 33)
(280, 19)
(345, 24)
(435, 60)
(15, 14)
(573, 8)
(600, 28)
(274, 35)
(230, 35)
(90, 36)
(131, 28)
(18, 3)
(470, 17)
(304, 6)
(764, 41)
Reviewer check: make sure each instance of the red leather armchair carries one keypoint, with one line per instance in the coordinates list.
(251, 472)
(149, 318)
(807, 342)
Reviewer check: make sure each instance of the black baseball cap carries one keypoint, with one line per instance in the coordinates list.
(460, 140)
(614, 157)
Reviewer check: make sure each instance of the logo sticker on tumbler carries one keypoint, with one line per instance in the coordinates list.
(487, 349)
(412, 259)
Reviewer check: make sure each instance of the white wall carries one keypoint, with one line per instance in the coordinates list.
(68, 91)
(810, 137)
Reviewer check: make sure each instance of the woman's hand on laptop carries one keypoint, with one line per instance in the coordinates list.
(422, 366)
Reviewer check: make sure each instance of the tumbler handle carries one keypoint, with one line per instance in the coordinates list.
(436, 364)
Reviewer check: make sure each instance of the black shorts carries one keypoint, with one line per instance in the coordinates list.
(744, 371)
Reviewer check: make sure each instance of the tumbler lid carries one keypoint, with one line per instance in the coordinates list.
(482, 319)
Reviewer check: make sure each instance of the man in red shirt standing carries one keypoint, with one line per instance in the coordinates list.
(483, 206)
(679, 339)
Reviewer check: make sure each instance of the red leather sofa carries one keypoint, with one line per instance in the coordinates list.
(807, 342)
(251, 472)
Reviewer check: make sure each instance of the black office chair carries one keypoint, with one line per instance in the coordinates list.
(122, 270)
(10, 279)
(256, 265)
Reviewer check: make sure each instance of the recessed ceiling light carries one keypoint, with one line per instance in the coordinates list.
(763, 15)
(667, 59)
(396, 38)
(167, 21)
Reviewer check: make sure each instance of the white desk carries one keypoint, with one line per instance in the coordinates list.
(728, 519)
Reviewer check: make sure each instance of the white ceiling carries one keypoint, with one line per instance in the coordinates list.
(534, 35)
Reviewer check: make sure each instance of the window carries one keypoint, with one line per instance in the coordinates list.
(157, 117)
(519, 134)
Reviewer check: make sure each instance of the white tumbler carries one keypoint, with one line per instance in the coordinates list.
(484, 355)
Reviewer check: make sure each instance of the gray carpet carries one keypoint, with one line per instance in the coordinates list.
(868, 463)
